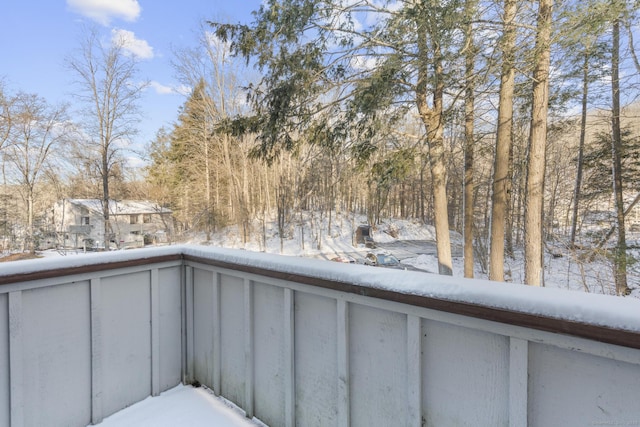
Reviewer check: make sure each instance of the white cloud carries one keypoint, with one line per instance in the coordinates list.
(170, 90)
(162, 89)
(128, 41)
(103, 11)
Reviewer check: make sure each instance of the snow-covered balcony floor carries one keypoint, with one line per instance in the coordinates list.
(180, 406)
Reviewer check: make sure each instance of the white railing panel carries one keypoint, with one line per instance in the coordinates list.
(268, 349)
(203, 324)
(465, 376)
(170, 315)
(232, 360)
(414, 371)
(249, 353)
(289, 379)
(315, 359)
(126, 340)
(570, 388)
(97, 376)
(56, 355)
(16, 359)
(377, 366)
(518, 382)
(5, 402)
(187, 323)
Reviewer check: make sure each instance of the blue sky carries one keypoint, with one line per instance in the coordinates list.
(36, 36)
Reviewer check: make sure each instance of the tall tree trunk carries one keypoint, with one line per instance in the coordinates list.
(503, 144)
(32, 246)
(469, 101)
(509, 225)
(583, 133)
(432, 118)
(207, 183)
(423, 214)
(621, 248)
(537, 148)
(105, 199)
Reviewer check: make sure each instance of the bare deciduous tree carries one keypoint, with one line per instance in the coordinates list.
(109, 90)
(37, 129)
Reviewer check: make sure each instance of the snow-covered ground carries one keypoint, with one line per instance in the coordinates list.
(316, 239)
(181, 406)
(320, 238)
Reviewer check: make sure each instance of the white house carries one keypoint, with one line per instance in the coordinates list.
(79, 223)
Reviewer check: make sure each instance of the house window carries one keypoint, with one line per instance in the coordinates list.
(133, 219)
(146, 218)
(84, 220)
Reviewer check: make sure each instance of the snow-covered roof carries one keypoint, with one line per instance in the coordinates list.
(121, 207)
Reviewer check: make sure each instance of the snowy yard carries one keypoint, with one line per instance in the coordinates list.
(563, 268)
(568, 271)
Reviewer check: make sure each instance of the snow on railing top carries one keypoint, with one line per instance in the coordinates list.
(556, 310)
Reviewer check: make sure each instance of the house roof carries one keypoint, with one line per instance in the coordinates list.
(122, 207)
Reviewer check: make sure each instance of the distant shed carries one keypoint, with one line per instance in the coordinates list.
(364, 236)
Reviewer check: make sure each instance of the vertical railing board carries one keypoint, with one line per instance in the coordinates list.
(377, 366)
(203, 316)
(571, 388)
(248, 348)
(469, 364)
(269, 348)
(5, 395)
(289, 359)
(189, 348)
(217, 334)
(15, 359)
(96, 351)
(518, 382)
(170, 314)
(344, 404)
(57, 355)
(414, 371)
(232, 371)
(315, 360)
(183, 323)
(126, 340)
(155, 333)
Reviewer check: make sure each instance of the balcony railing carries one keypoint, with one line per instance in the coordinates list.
(80, 229)
(303, 342)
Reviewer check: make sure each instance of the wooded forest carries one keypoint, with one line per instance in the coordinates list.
(515, 123)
